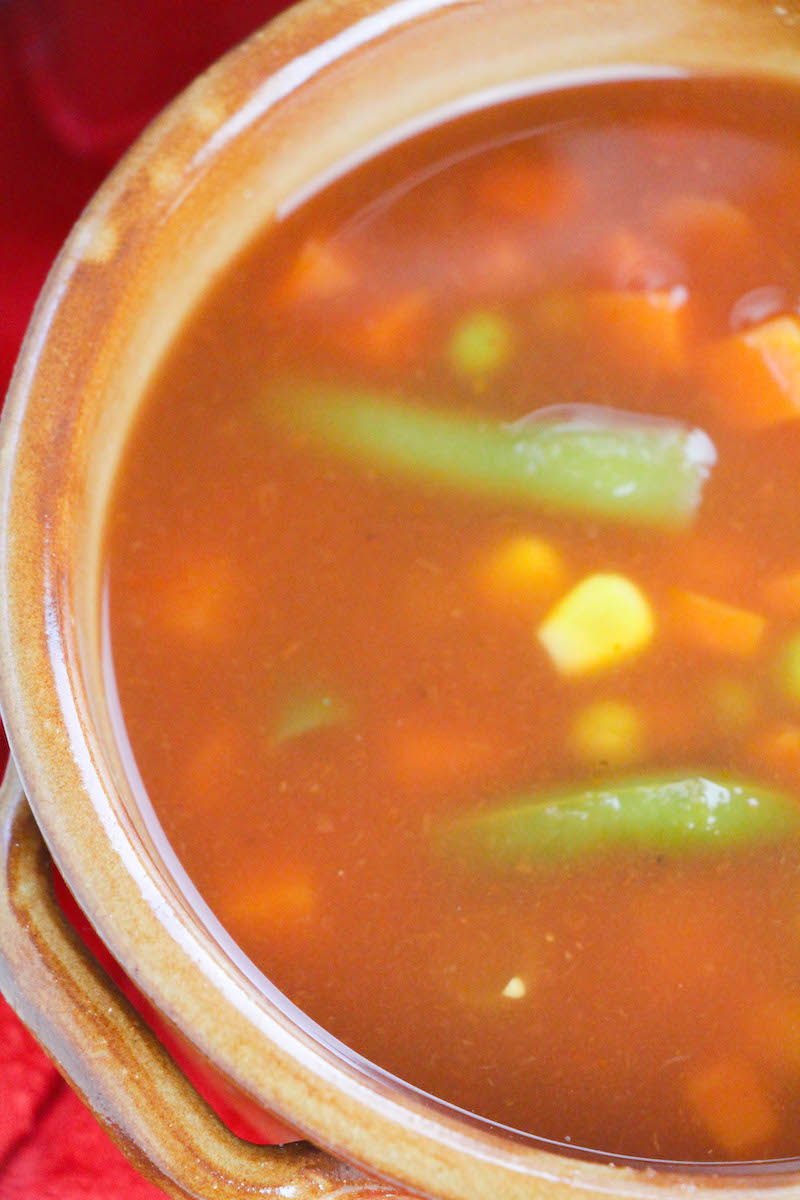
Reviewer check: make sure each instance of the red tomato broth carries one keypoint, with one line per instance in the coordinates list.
(319, 633)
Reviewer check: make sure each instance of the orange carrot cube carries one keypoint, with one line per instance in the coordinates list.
(753, 378)
(714, 625)
(424, 756)
(644, 333)
(393, 331)
(199, 601)
(706, 228)
(524, 188)
(629, 262)
(320, 271)
(279, 902)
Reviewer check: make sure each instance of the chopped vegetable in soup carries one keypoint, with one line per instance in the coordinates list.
(454, 595)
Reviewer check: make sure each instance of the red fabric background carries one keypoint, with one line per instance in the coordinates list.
(78, 80)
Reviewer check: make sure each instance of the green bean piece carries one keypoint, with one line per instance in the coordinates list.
(304, 711)
(678, 813)
(579, 459)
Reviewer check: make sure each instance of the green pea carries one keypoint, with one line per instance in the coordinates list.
(480, 343)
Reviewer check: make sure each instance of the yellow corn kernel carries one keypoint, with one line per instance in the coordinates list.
(522, 570)
(604, 621)
(608, 731)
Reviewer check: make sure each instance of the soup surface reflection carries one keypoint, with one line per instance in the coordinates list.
(454, 593)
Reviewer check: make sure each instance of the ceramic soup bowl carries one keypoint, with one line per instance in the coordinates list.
(311, 89)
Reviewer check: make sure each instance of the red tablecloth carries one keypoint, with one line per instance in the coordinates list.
(78, 80)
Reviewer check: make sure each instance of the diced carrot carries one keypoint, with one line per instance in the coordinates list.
(753, 378)
(279, 902)
(394, 331)
(715, 625)
(502, 263)
(389, 334)
(699, 227)
(423, 755)
(628, 262)
(643, 333)
(782, 593)
(729, 1099)
(199, 600)
(521, 573)
(320, 271)
(521, 187)
(777, 748)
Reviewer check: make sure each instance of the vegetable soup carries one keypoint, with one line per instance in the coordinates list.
(453, 575)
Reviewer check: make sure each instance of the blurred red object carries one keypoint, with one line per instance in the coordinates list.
(242, 1116)
(97, 72)
(69, 1157)
(78, 81)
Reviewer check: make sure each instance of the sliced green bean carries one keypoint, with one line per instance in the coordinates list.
(579, 459)
(678, 813)
(306, 710)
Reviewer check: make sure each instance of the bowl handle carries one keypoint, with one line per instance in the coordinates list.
(113, 1060)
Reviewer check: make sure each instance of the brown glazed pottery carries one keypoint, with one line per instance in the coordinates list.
(326, 79)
